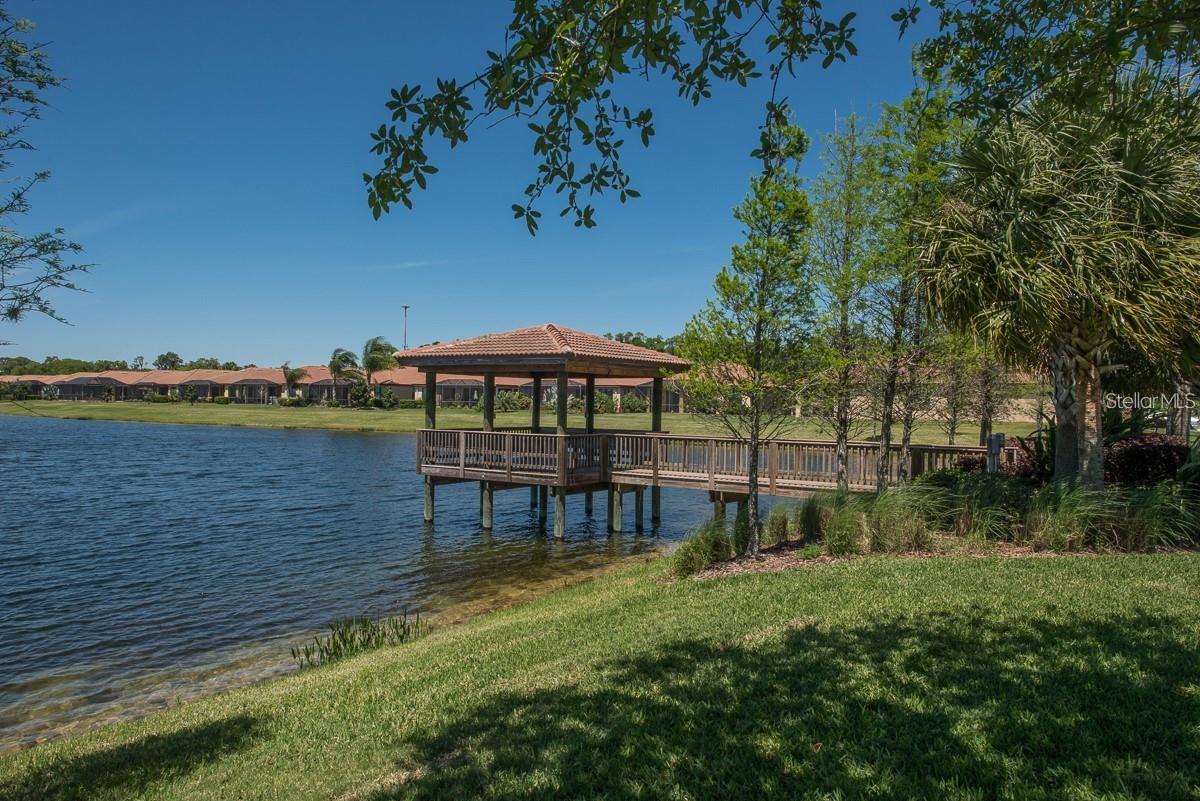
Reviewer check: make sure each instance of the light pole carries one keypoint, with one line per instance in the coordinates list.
(406, 307)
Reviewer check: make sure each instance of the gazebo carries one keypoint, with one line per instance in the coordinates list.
(544, 352)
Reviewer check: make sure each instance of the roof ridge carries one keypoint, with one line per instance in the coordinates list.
(559, 338)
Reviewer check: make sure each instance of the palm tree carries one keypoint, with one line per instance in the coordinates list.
(292, 376)
(1069, 230)
(377, 354)
(342, 364)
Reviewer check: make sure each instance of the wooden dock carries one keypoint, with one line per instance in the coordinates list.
(624, 462)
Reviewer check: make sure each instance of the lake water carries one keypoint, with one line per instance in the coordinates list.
(142, 564)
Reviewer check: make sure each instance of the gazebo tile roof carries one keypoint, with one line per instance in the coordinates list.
(547, 341)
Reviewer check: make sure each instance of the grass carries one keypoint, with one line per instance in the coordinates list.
(398, 420)
(959, 678)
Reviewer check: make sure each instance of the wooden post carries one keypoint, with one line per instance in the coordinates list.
(616, 509)
(718, 506)
(589, 425)
(430, 422)
(485, 504)
(535, 420)
(489, 401)
(638, 507)
(431, 400)
(560, 512)
(560, 403)
(535, 425)
(542, 491)
(656, 411)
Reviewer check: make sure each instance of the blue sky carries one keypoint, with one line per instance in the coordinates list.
(208, 156)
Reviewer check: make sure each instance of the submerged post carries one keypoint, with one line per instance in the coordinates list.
(430, 422)
(638, 506)
(616, 509)
(656, 411)
(560, 512)
(486, 496)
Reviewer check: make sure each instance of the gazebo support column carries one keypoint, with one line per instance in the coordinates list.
(430, 422)
(589, 424)
(560, 493)
(489, 401)
(535, 425)
(656, 410)
(638, 508)
(542, 493)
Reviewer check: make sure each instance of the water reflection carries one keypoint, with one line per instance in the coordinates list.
(145, 564)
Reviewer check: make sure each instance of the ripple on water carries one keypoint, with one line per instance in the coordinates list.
(143, 565)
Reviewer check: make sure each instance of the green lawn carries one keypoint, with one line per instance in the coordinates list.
(961, 678)
(399, 420)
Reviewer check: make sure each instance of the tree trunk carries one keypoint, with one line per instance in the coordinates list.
(908, 423)
(1066, 415)
(883, 468)
(842, 433)
(1091, 438)
(752, 496)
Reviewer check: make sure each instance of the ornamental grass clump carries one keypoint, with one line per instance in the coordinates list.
(776, 530)
(1064, 517)
(1165, 515)
(988, 507)
(355, 635)
(707, 545)
(810, 517)
(900, 518)
(844, 530)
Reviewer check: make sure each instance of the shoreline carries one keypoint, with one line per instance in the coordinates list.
(256, 664)
(395, 421)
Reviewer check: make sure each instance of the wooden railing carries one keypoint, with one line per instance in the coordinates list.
(568, 459)
(574, 459)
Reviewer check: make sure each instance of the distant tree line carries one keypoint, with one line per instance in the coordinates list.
(57, 365)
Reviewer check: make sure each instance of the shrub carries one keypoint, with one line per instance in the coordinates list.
(575, 404)
(298, 402)
(634, 404)
(706, 545)
(1034, 459)
(1144, 459)
(357, 634)
(332, 403)
(776, 530)
(221, 400)
(1189, 474)
(361, 395)
(410, 403)
(161, 398)
(387, 399)
(603, 403)
(512, 402)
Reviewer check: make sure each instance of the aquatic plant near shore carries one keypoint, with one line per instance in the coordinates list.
(353, 635)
